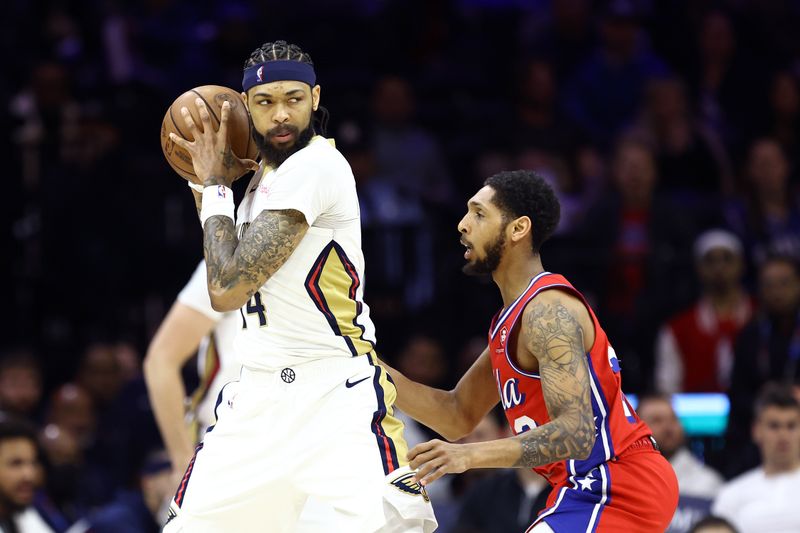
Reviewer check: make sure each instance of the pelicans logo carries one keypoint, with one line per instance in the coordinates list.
(406, 483)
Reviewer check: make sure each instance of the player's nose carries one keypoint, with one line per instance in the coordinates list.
(281, 115)
(462, 226)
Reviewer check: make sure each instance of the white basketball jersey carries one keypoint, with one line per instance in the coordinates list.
(216, 362)
(313, 306)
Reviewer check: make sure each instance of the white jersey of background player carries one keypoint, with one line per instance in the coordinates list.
(191, 326)
(311, 416)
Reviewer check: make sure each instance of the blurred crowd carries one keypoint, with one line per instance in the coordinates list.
(670, 130)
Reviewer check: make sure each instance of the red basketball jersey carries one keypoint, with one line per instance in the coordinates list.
(616, 422)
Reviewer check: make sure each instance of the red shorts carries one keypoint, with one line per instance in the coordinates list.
(636, 492)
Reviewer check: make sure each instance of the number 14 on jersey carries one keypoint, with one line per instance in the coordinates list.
(254, 307)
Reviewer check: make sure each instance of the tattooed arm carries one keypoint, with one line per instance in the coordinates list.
(552, 333)
(236, 269)
(554, 336)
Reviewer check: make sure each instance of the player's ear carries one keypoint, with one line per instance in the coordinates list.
(520, 228)
(244, 97)
(315, 97)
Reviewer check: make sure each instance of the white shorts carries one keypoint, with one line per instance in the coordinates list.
(322, 430)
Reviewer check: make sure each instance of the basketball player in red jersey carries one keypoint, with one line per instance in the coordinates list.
(557, 376)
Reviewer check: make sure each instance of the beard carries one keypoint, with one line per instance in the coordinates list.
(276, 156)
(487, 265)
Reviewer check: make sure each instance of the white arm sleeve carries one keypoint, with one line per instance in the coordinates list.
(195, 294)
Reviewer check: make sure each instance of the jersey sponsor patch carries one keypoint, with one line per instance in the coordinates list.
(406, 483)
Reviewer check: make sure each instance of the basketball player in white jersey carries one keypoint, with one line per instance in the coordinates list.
(311, 415)
(191, 326)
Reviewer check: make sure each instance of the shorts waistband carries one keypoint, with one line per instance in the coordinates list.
(310, 371)
(647, 443)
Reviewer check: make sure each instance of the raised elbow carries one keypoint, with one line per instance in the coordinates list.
(222, 302)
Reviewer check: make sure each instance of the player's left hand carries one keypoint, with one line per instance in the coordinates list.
(213, 160)
(435, 458)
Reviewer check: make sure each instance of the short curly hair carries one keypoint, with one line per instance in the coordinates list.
(525, 193)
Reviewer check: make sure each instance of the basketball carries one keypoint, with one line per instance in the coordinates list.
(213, 95)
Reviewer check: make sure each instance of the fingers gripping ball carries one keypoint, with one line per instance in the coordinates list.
(214, 95)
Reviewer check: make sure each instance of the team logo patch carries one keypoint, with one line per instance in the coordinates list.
(406, 483)
(287, 375)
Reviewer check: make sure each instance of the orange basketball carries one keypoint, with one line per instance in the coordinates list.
(213, 95)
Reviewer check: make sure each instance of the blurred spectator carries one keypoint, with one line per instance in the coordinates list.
(768, 219)
(447, 498)
(539, 122)
(75, 480)
(637, 243)
(47, 115)
(407, 157)
(767, 349)
(783, 119)
(694, 351)
(606, 90)
(130, 363)
(424, 358)
(20, 384)
(691, 159)
(728, 84)
(558, 174)
(713, 524)
(697, 483)
(765, 498)
(71, 408)
(139, 510)
(19, 476)
(567, 40)
(694, 478)
(100, 374)
(504, 501)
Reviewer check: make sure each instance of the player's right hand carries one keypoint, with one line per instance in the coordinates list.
(213, 160)
(433, 459)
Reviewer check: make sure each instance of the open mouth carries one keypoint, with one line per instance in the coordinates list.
(468, 252)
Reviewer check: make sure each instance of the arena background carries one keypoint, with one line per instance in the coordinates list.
(427, 98)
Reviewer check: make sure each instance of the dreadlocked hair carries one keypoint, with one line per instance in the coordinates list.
(281, 50)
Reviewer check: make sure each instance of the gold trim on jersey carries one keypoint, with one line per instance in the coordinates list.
(211, 367)
(332, 284)
(387, 428)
